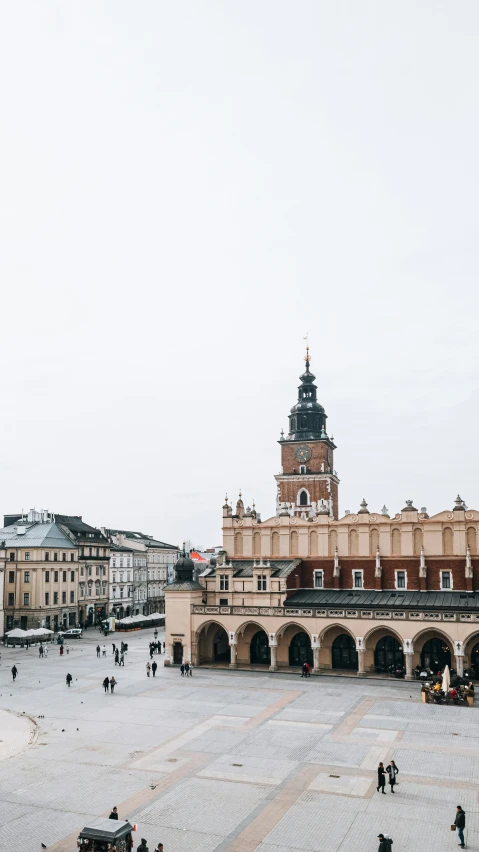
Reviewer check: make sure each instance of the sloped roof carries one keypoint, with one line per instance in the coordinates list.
(244, 567)
(37, 535)
(384, 599)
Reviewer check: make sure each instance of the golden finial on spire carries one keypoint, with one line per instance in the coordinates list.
(307, 356)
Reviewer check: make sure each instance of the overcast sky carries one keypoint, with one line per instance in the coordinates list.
(187, 188)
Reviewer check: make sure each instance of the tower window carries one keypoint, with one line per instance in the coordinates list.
(358, 579)
(303, 498)
(318, 579)
(446, 580)
(302, 468)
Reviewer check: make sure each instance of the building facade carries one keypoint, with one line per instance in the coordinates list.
(153, 560)
(362, 592)
(93, 564)
(40, 572)
(121, 581)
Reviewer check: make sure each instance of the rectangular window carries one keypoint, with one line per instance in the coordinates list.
(82, 571)
(64, 597)
(26, 599)
(27, 557)
(262, 582)
(11, 599)
(55, 557)
(72, 576)
(12, 557)
(47, 576)
(55, 597)
(89, 570)
(47, 557)
(104, 571)
(401, 580)
(72, 597)
(11, 576)
(358, 579)
(55, 576)
(47, 598)
(97, 570)
(26, 576)
(224, 583)
(223, 601)
(72, 557)
(446, 580)
(318, 580)
(64, 557)
(64, 576)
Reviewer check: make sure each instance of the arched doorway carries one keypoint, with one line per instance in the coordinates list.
(221, 647)
(177, 653)
(435, 654)
(475, 659)
(300, 650)
(344, 654)
(259, 649)
(388, 652)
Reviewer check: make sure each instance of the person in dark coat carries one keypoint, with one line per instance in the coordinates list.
(98, 649)
(106, 684)
(392, 771)
(14, 672)
(182, 669)
(385, 843)
(154, 667)
(381, 778)
(69, 679)
(460, 823)
(187, 669)
(117, 658)
(142, 847)
(114, 813)
(304, 671)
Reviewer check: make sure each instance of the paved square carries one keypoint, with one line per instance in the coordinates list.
(226, 761)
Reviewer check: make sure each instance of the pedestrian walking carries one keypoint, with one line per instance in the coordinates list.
(61, 650)
(98, 649)
(304, 671)
(148, 668)
(122, 659)
(381, 778)
(14, 672)
(159, 651)
(106, 684)
(385, 843)
(460, 823)
(155, 634)
(113, 648)
(117, 658)
(114, 813)
(163, 647)
(103, 650)
(187, 669)
(151, 652)
(159, 847)
(112, 684)
(154, 667)
(191, 670)
(392, 771)
(69, 679)
(45, 652)
(142, 847)
(182, 669)
(40, 651)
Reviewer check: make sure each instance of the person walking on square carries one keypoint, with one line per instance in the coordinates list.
(159, 647)
(159, 847)
(103, 650)
(142, 847)
(45, 651)
(14, 672)
(460, 823)
(182, 669)
(122, 659)
(385, 843)
(381, 778)
(191, 670)
(392, 771)
(304, 671)
(106, 684)
(98, 649)
(187, 669)
(148, 669)
(154, 667)
(117, 657)
(69, 679)
(113, 647)
(114, 813)
(112, 684)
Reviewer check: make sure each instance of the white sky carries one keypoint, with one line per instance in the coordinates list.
(187, 188)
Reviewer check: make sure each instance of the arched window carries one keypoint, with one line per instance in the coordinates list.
(353, 543)
(333, 542)
(294, 543)
(374, 541)
(303, 498)
(472, 540)
(417, 541)
(447, 545)
(275, 544)
(238, 544)
(396, 542)
(256, 544)
(313, 543)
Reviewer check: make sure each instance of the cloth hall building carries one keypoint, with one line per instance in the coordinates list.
(359, 593)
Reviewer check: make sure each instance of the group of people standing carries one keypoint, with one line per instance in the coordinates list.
(109, 684)
(186, 670)
(155, 648)
(392, 772)
(151, 667)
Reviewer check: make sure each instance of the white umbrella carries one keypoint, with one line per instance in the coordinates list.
(446, 679)
(17, 633)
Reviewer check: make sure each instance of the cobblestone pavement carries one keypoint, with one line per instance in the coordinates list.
(226, 760)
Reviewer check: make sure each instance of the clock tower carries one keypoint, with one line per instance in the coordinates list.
(307, 484)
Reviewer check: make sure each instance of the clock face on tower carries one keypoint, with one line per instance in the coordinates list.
(303, 453)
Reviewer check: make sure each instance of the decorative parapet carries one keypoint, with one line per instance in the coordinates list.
(380, 615)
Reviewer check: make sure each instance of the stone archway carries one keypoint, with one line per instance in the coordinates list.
(300, 650)
(343, 653)
(212, 644)
(328, 640)
(383, 648)
(433, 649)
(260, 652)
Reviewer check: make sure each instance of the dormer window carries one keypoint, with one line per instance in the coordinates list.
(224, 583)
(262, 582)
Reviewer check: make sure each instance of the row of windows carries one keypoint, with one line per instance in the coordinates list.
(447, 542)
(46, 556)
(26, 576)
(26, 598)
(94, 551)
(122, 590)
(261, 582)
(445, 578)
(100, 571)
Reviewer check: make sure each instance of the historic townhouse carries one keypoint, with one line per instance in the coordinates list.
(152, 561)
(359, 593)
(94, 562)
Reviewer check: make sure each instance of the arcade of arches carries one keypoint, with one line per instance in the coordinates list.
(336, 648)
